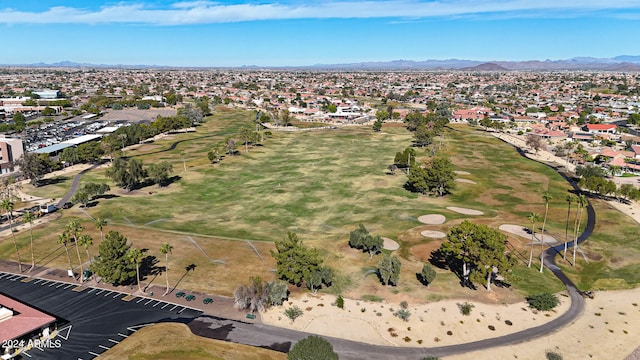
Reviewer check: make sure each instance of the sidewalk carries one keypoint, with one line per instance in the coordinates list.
(221, 306)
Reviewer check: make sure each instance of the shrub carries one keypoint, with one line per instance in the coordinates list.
(465, 308)
(340, 302)
(312, 347)
(403, 314)
(293, 313)
(543, 302)
(553, 355)
(508, 322)
(492, 328)
(404, 305)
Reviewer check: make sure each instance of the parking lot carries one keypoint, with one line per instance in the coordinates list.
(96, 319)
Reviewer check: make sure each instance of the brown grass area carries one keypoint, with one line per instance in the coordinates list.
(176, 341)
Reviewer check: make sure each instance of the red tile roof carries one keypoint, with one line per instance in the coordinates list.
(601, 126)
(25, 319)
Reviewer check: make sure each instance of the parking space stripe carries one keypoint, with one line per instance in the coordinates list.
(94, 354)
(165, 305)
(123, 335)
(183, 309)
(26, 353)
(59, 285)
(68, 286)
(104, 347)
(147, 303)
(175, 306)
(52, 283)
(158, 303)
(116, 295)
(100, 292)
(108, 293)
(89, 292)
(3, 275)
(113, 341)
(38, 281)
(139, 300)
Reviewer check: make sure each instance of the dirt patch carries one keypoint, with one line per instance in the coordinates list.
(433, 234)
(423, 251)
(390, 244)
(432, 219)
(465, 211)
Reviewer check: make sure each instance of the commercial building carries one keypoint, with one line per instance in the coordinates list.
(10, 151)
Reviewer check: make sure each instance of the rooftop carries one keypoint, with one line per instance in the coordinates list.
(24, 320)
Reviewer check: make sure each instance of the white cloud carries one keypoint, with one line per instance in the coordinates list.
(203, 12)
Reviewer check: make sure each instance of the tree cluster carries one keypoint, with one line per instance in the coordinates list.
(472, 251)
(298, 264)
(130, 173)
(35, 166)
(89, 192)
(89, 152)
(389, 270)
(436, 176)
(360, 238)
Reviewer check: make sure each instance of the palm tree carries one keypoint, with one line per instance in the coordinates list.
(135, 255)
(546, 196)
(28, 217)
(100, 223)
(166, 249)
(64, 240)
(582, 202)
(74, 229)
(7, 206)
(86, 241)
(570, 198)
(534, 218)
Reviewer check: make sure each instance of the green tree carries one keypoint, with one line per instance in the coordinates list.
(312, 348)
(362, 239)
(126, 173)
(100, 223)
(534, 218)
(278, 292)
(28, 218)
(63, 239)
(69, 155)
(437, 177)
(135, 256)
(80, 197)
(546, 196)
(166, 249)
(474, 250)
(33, 167)
(377, 125)
(111, 263)
(389, 270)
(294, 261)
(293, 313)
(543, 301)
(423, 136)
(86, 241)
(7, 206)
(428, 274)
(405, 159)
(569, 199)
(74, 229)
(581, 202)
(160, 172)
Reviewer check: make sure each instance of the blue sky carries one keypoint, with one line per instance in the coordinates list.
(292, 32)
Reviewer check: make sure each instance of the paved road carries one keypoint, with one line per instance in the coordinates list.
(97, 318)
(74, 185)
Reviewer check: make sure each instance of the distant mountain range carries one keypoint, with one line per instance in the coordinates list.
(618, 63)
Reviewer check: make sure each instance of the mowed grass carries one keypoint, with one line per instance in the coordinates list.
(321, 184)
(176, 341)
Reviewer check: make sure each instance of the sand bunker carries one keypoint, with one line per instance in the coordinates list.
(460, 172)
(465, 210)
(432, 219)
(390, 244)
(466, 181)
(433, 234)
(526, 233)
